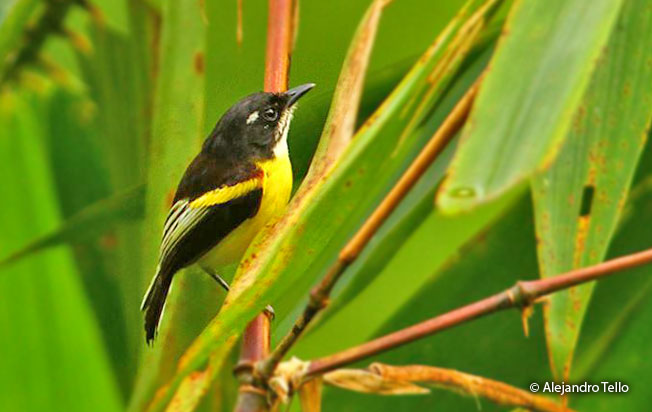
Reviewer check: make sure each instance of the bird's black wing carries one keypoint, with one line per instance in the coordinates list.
(211, 201)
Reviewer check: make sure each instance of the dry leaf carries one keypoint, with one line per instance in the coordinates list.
(360, 380)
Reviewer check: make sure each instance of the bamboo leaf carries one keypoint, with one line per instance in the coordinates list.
(342, 116)
(114, 13)
(614, 337)
(122, 94)
(177, 132)
(373, 296)
(50, 341)
(524, 107)
(12, 25)
(196, 385)
(490, 260)
(88, 222)
(579, 200)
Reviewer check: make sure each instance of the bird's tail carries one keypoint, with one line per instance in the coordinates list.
(154, 302)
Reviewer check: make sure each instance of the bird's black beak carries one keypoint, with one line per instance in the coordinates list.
(295, 93)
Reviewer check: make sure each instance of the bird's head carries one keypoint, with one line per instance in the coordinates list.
(256, 126)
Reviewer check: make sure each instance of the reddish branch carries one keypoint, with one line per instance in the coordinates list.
(320, 294)
(280, 33)
(255, 340)
(522, 295)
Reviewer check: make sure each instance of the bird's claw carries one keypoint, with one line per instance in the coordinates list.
(269, 311)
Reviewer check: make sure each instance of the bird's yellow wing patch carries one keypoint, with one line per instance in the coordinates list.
(225, 193)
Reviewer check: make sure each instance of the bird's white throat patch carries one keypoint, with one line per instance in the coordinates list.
(281, 147)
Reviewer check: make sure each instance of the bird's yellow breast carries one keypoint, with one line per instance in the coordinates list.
(277, 187)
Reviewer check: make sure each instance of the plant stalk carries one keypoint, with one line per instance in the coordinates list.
(255, 340)
(521, 295)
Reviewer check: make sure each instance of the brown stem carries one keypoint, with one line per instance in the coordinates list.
(255, 340)
(387, 379)
(255, 346)
(520, 295)
(320, 293)
(280, 29)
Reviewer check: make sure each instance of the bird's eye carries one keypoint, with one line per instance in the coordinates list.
(270, 114)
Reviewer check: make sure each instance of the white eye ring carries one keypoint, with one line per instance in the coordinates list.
(270, 114)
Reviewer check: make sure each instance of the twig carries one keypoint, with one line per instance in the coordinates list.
(280, 33)
(255, 340)
(388, 380)
(522, 295)
(320, 294)
(49, 22)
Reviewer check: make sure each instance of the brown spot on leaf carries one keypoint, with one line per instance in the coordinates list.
(108, 241)
(198, 61)
(579, 118)
(580, 240)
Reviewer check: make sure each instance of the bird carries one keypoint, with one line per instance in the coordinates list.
(239, 181)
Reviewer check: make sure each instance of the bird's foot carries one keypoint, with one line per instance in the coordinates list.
(269, 311)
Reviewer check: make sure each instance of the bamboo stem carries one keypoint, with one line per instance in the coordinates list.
(255, 340)
(521, 295)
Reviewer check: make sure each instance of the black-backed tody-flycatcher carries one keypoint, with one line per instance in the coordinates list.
(241, 178)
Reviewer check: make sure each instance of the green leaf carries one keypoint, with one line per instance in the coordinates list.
(176, 136)
(114, 13)
(406, 251)
(615, 339)
(77, 169)
(579, 199)
(494, 346)
(525, 104)
(122, 124)
(91, 221)
(12, 25)
(419, 256)
(50, 342)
